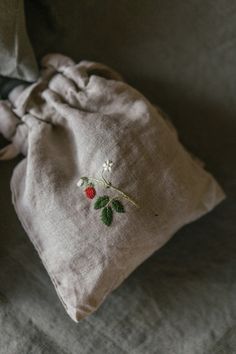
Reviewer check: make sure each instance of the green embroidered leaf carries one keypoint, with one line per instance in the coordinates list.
(85, 179)
(101, 202)
(118, 206)
(107, 215)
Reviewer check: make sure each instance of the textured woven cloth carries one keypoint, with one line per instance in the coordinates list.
(17, 58)
(182, 299)
(68, 123)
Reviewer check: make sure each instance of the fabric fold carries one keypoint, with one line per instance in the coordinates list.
(105, 181)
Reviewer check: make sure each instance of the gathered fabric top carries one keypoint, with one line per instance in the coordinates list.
(61, 81)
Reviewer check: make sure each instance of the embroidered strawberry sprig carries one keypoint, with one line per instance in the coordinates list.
(108, 205)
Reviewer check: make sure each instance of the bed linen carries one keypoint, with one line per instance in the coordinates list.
(17, 58)
(181, 300)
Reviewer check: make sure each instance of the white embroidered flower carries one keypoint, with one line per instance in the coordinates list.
(107, 166)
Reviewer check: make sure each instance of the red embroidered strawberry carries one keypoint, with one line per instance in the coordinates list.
(90, 192)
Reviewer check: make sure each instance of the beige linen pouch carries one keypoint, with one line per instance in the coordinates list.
(105, 181)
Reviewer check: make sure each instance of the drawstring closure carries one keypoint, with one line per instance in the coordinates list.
(8, 127)
(42, 98)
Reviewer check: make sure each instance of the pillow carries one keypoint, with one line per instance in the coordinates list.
(105, 181)
(16, 55)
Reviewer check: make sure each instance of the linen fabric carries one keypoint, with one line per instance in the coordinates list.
(76, 117)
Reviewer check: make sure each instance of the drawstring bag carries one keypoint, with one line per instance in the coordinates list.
(104, 182)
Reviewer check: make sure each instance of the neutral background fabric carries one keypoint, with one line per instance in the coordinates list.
(181, 300)
(17, 58)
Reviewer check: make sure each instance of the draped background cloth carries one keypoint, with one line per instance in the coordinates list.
(182, 299)
(17, 58)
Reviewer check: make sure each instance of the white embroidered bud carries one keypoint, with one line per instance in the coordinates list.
(82, 181)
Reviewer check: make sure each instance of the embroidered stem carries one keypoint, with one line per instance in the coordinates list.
(108, 205)
(104, 179)
(109, 185)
